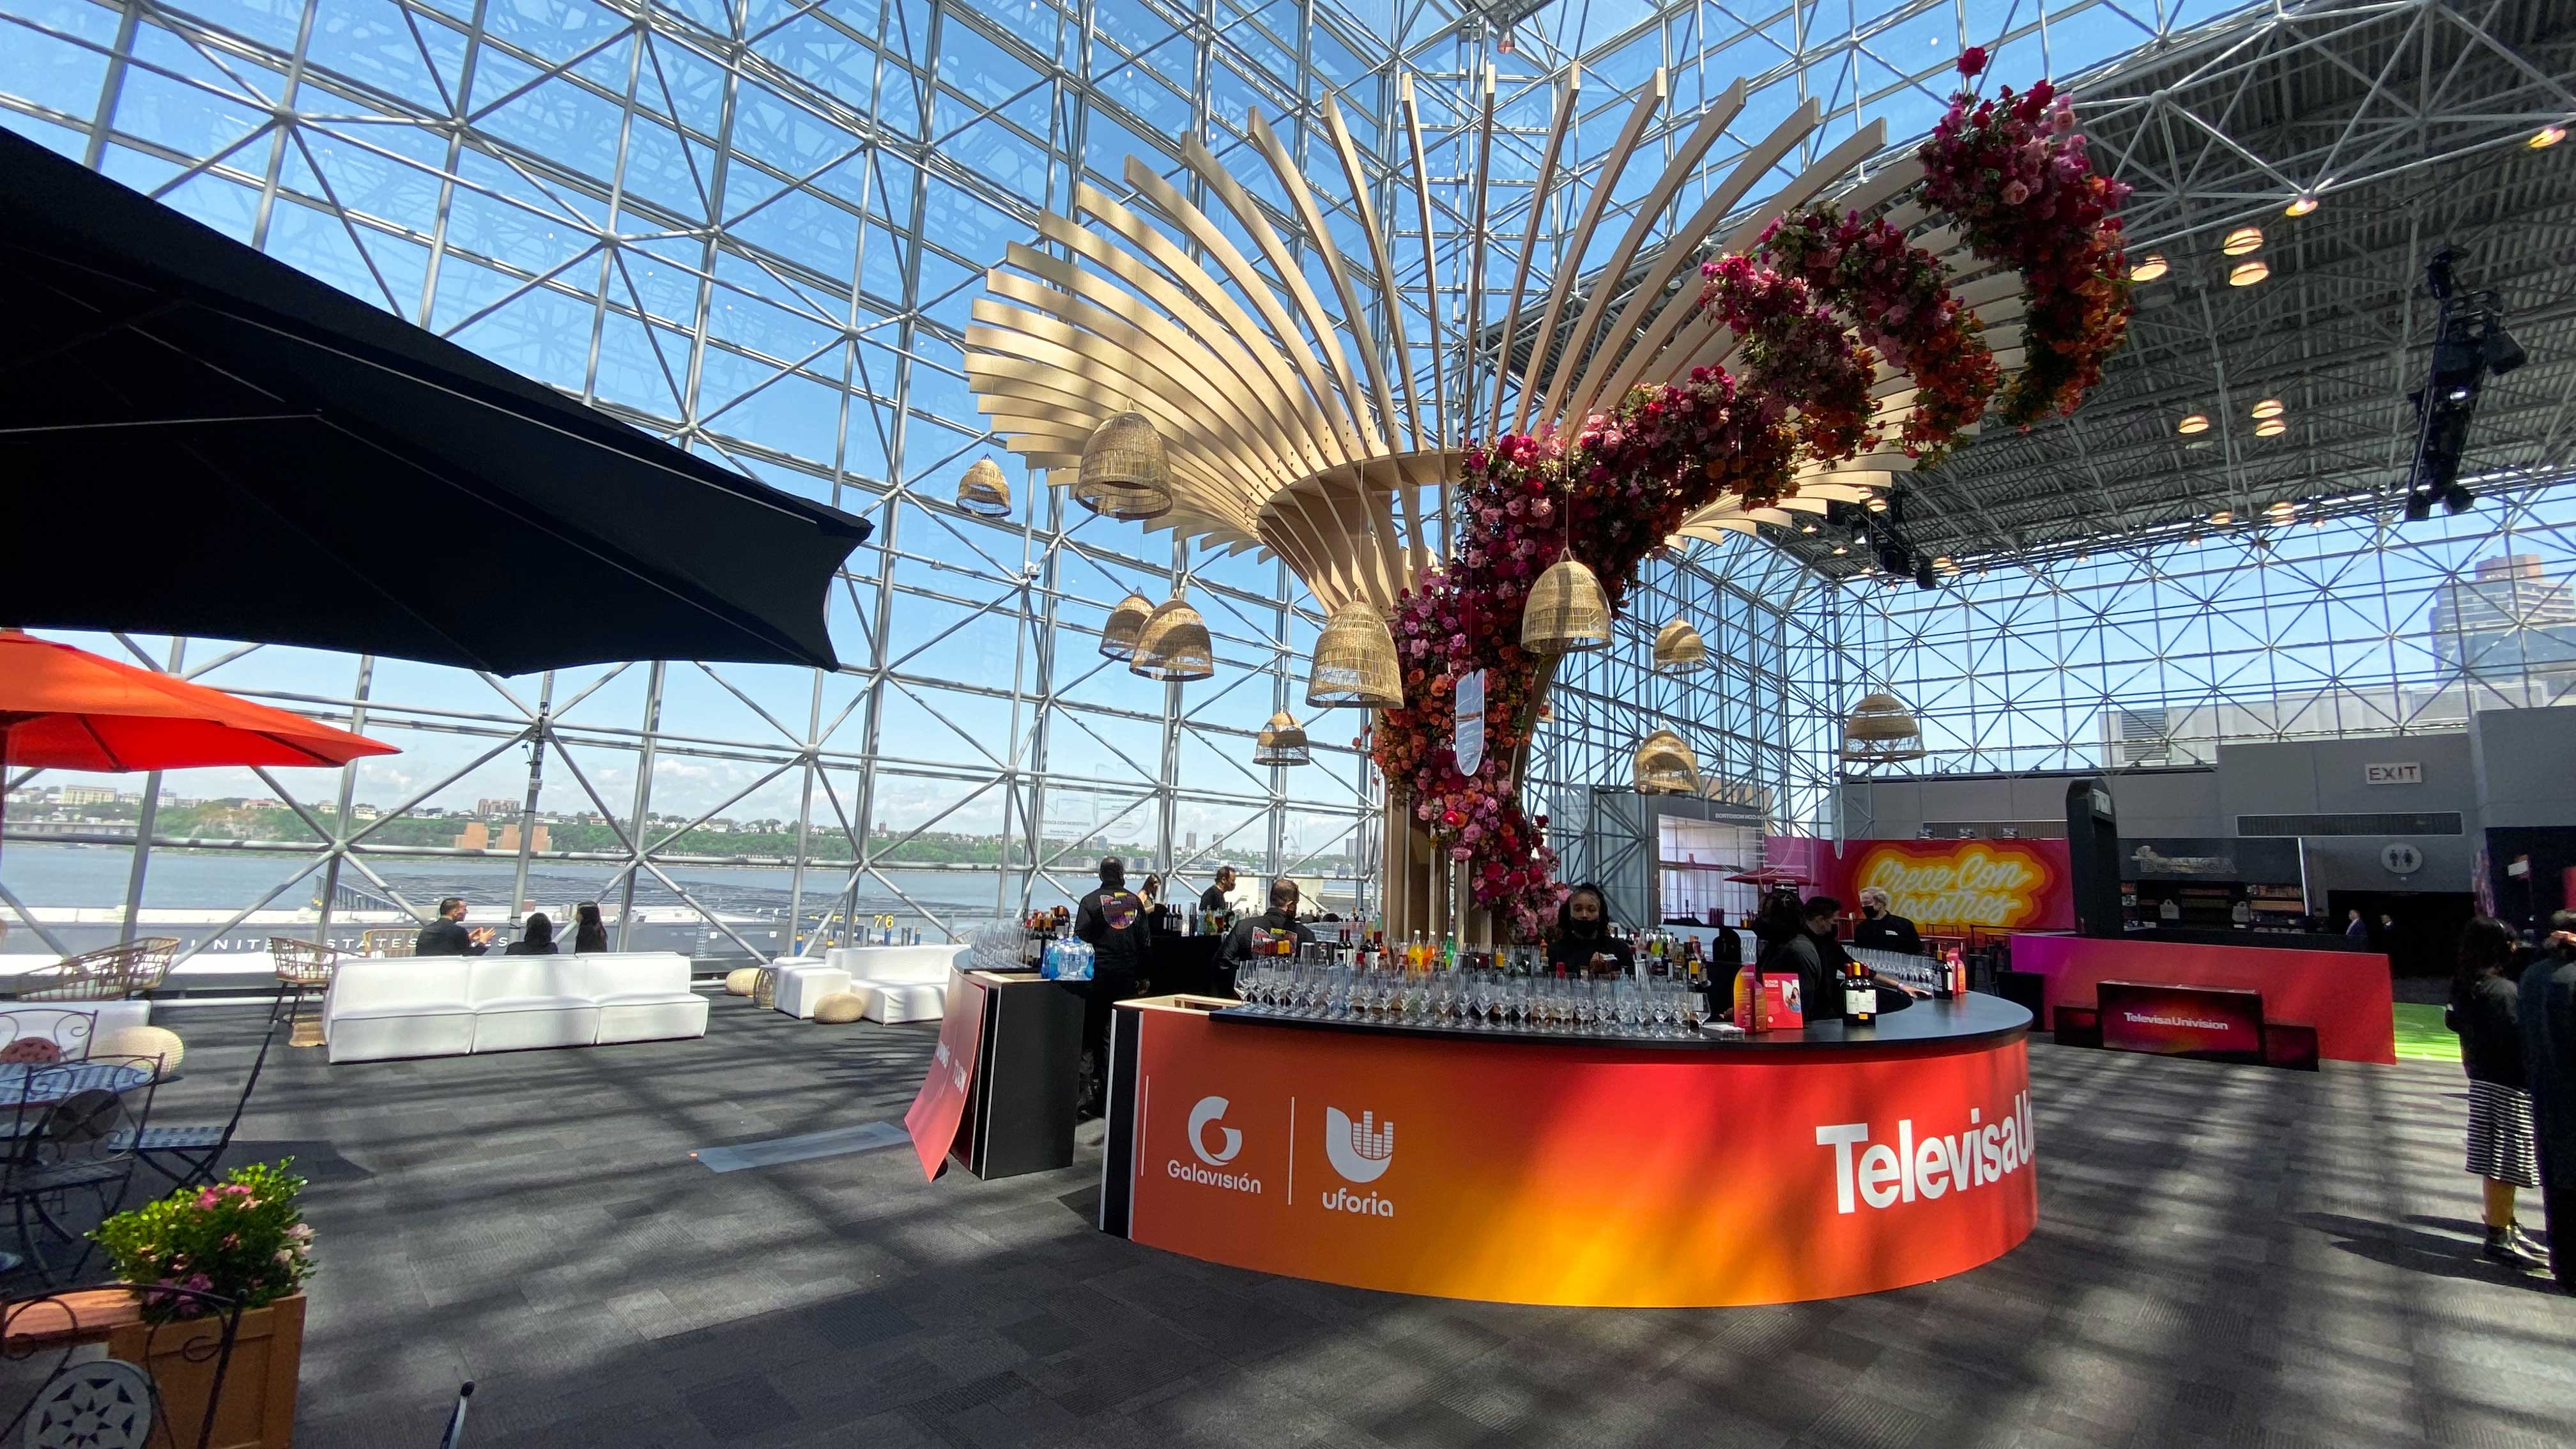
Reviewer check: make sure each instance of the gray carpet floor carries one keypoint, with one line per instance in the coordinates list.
(2225, 1256)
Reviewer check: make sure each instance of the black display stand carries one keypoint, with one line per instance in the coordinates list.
(2093, 856)
(1019, 1110)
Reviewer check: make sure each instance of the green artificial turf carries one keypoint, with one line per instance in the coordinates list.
(2421, 1037)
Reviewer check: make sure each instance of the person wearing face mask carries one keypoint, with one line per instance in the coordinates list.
(1582, 944)
(1270, 927)
(1881, 929)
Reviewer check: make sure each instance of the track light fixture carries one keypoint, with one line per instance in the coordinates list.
(2301, 205)
(2246, 274)
(2546, 137)
(2192, 423)
(2244, 241)
(2149, 267)
(2470, 344)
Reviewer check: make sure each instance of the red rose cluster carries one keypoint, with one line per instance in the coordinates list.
(1622, 485)
(2012, 172)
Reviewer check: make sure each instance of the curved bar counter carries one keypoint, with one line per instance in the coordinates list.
(1523, 1168)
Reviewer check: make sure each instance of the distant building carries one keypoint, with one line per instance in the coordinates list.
(479, 835)
(84, 795)
(495, 809)
(2510, 619)
(363, 812)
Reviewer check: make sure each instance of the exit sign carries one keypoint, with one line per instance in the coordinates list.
(2409, 773)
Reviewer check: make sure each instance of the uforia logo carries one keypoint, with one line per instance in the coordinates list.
(1208, 1110)
(1985, 1153)
(1360, 1153)
(1203, 1116)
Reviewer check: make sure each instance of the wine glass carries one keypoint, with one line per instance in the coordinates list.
(1693, 1011)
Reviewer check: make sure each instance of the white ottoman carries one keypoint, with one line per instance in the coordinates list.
(802, 988)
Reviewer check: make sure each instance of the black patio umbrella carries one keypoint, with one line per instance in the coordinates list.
(199, 439)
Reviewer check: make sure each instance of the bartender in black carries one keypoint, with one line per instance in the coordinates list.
(1582, 937)
(1881, 929)
(1111, 920)
(1212, 901)
(1279, 920)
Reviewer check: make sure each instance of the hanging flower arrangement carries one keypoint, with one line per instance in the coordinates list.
(1821, 299)
(2013, 173)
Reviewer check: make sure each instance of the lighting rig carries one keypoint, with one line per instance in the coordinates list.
(2470, 344)
(1874, 534)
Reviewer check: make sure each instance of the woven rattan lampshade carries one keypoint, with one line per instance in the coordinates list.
(1126, 622)
(1666, 766)
(1355, 661)
(1567, 611)
(1678, 646)
(1174, 644)
(1123, 473)
(984, 492)
(1281, 742)
(1881, 729)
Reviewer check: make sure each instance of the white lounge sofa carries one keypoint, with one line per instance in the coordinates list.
(802, 985)
(899, 983)
(429, 1006)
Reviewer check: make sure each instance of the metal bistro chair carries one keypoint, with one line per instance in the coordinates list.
(304, 971)
(199, 1151)
(74, 1129)
(114, 1402)
(111, 973)
(388, 940)
(41, 1035)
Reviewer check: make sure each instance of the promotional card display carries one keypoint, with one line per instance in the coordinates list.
(2182, 1021)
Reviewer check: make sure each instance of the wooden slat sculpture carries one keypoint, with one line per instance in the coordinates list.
(1830, 347)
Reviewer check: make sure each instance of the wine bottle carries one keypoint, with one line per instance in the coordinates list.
(1860, 997)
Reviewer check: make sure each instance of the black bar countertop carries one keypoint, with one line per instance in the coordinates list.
(1970, 1020)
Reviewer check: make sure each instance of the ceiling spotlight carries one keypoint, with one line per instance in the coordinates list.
(2148, 267)
(1806, 528)
(2082, 557)
(2192, 423)
(2316, 520)
(2269, 407)
(2301, 205)
(2546, 137)
(2271, 427)
(1842, 548)
(2243, 240)
(1878, 505)
(2221, 518)
(1944, 564)
(2280, 512)
(2246, 274)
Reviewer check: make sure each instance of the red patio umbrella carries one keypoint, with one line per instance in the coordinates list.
(63, 708)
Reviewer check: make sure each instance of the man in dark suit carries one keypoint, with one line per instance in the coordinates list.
(2548, 1021)
(447, 935)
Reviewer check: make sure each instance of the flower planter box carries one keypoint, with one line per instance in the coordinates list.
(257, 1407)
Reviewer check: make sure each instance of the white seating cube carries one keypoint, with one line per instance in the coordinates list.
(900, 983)
(802, 987)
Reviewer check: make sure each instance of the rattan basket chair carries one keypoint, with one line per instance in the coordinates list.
(111, 973)
(304, 971)
(388, 940)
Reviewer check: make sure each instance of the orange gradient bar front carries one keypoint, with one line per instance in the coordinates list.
(1568, 1173)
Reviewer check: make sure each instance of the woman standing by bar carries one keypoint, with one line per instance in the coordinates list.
(2503, 1153)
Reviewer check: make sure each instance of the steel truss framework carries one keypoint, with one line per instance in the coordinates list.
(757, 228)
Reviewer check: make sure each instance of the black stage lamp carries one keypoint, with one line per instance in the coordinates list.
(2497, 347)
(2419, 505)
(1924, 577)
(2456, 497)
(1896, 505)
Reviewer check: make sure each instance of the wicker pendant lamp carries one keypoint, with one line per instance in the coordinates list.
(1281, 742)
(1124, 473)
(1678, 647)
(1666, 765)
(1125, 624)
(1881, 730)
(1567, 610)
(1174, 644)
(1355, 661)
(984, 492)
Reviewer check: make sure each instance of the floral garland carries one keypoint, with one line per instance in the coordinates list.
(2013, 172)
(1616, 490)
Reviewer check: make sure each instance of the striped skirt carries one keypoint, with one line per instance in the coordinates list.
(2501, 1144)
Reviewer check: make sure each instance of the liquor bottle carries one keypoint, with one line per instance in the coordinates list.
(1860, 998)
